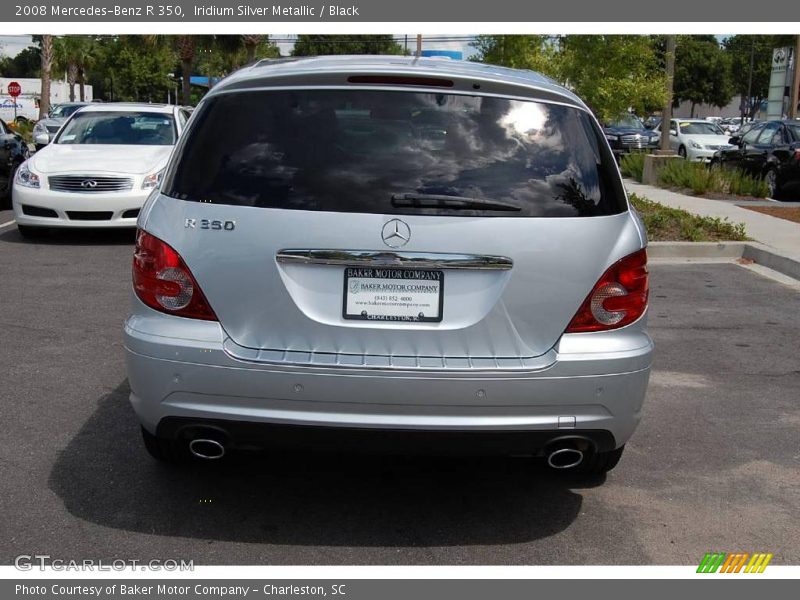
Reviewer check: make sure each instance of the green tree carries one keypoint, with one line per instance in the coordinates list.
(27, 63)
(613, 73)
(316, 45)
(702, 72)
(535, 52)
(740, 49)
(73, 55)
(131, 68)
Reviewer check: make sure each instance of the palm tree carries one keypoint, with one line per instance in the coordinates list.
(68, 52)
(47, 65)
(85, 58)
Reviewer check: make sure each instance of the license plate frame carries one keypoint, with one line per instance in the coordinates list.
(401, 276)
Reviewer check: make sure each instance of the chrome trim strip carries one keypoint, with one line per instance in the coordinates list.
(369, 258)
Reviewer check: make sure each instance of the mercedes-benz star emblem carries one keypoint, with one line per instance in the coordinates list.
(88, 183)
(395, 233)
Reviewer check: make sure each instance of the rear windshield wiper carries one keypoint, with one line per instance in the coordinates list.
(449, 202)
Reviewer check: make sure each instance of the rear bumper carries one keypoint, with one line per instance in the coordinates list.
(591, 383)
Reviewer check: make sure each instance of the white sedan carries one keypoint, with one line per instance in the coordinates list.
(696, 139)
(99, 169)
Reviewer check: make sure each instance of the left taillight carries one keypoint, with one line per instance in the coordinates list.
(163, 281)
(619, 297)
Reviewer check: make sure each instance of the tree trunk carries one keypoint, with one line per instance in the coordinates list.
(47, 65)
(82, 86)
(693, 105)
(186, 68)
(186, 49)
(72, 77)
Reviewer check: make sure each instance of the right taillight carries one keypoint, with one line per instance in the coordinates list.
(163, 281)
(617, 299)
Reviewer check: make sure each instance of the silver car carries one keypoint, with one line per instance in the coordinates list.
(423, 255)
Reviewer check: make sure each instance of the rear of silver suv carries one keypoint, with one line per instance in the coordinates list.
(417, 253)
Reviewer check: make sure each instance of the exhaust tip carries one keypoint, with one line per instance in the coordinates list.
(206, 449)
(565, 458)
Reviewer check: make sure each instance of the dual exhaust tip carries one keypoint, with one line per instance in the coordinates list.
(206, 448)
(568, 453)
(561, 455)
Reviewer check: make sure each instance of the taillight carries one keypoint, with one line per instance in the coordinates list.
(163, 281)
(617, 299)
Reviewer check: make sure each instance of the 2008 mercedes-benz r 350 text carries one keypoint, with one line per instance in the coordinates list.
(416, 253)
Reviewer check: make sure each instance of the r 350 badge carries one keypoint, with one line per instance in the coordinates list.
(210, 224)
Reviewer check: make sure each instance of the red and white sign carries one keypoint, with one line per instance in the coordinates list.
(14, 89)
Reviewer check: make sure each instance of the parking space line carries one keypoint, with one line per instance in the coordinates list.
(11, 222)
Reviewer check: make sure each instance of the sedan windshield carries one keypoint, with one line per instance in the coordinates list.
(701, 129)
(121, 128)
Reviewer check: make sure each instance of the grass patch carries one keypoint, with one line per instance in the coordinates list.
(665, 224)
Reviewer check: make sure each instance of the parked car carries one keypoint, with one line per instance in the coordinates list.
(629, 134)
(99, 169)
(399, 251)
(770, 149)
(696, 139)
(13, 152)
(45, 129)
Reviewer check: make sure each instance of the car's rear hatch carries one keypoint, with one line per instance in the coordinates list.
(394, 223)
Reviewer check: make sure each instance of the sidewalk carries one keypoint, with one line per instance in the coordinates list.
(780, 234)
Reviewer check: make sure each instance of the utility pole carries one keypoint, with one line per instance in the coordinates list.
(419, 45)
(667, 112)
(794, 112)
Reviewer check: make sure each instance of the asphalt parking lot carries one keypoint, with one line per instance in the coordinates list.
(715, 464)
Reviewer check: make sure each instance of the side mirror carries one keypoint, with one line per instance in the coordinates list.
(735, 140)
(41, 139)
(673, 132)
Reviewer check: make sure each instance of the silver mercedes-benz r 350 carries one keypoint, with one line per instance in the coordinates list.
(411, 254)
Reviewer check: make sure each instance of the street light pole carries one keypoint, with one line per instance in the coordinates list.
(667, 112)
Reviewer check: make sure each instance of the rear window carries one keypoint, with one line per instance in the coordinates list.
(395, 153)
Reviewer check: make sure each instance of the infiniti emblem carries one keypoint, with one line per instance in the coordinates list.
(88, 183)
(395, 233)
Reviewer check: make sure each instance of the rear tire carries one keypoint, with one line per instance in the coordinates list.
(163, 450)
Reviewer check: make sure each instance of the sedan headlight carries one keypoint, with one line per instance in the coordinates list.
(696, 145)
(25, 177)
(153, 180)
(612, 138)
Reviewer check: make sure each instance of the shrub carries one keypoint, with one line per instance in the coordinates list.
(632, 165)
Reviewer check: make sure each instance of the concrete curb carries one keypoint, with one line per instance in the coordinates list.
(755, 251)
